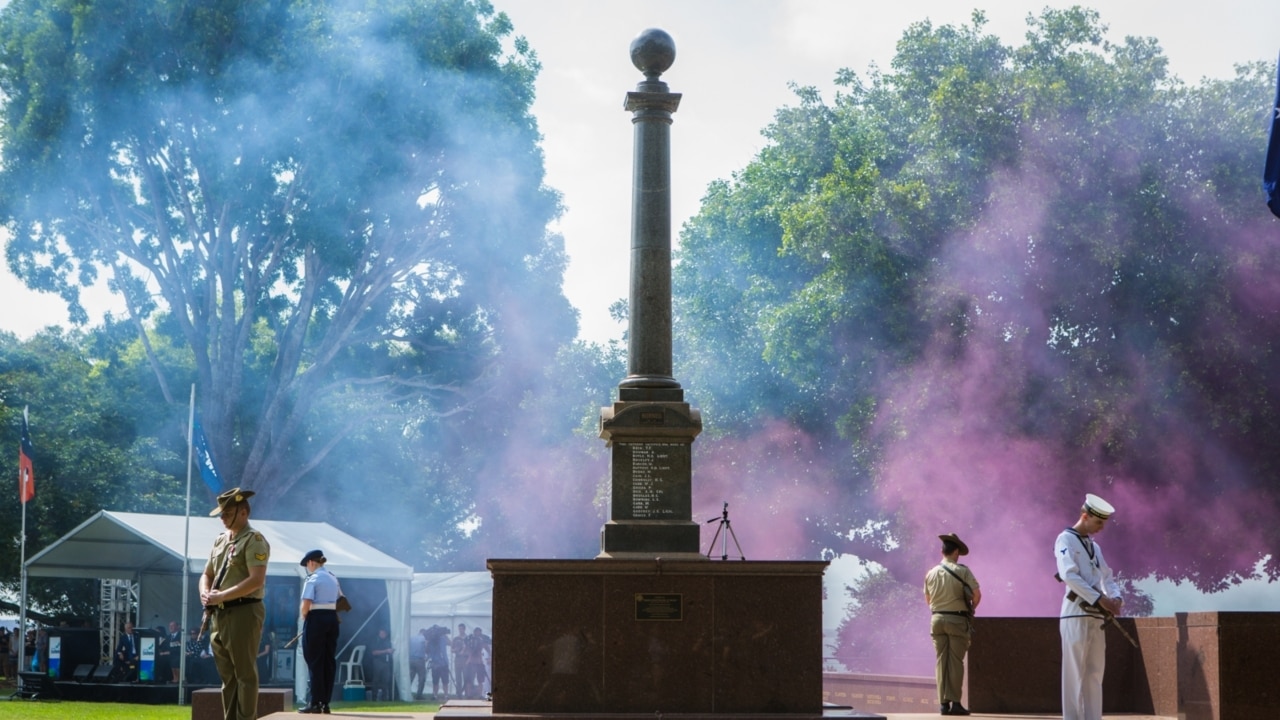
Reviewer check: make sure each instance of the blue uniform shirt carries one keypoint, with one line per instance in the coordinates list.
(321, 587)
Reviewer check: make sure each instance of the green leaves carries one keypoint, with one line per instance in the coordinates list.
(318, 198)
(1004, 271)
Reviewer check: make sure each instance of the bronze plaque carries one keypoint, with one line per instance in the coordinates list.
(659, 606)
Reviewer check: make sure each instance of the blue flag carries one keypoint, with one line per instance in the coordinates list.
(204, 460)
(1271, 172)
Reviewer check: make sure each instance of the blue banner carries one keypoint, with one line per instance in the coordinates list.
(204, 460)
(1271, 171)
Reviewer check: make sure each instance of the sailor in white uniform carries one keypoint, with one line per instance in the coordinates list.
(1091, 593)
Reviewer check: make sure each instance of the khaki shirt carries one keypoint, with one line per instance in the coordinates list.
(248, 550)
(946, 594)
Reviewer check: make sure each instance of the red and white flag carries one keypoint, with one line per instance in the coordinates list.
(26, 478)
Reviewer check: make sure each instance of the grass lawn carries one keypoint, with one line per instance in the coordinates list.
(54, 710)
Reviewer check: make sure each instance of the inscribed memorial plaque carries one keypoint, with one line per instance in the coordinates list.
(651, 481)
(659, 606)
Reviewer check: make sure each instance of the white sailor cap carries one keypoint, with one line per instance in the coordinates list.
(1097, 507)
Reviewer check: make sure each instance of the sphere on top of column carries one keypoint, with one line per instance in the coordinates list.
(652, 52)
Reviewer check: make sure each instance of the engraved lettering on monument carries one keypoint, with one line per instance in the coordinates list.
(650, 480)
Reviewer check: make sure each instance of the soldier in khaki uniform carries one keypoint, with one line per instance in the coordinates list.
(953, 594)
(232, 588)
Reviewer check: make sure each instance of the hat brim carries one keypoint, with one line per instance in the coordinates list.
(955, 540)
(234, 496)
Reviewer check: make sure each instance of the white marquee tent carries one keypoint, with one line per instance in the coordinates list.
(149, 550)
(447, 599)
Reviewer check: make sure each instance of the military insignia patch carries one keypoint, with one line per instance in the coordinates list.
(260, 556)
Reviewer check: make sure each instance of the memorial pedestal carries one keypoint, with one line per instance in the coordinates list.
(621, 637)
(651, 489)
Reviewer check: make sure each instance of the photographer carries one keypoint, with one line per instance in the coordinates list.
(418, 662)
(438, 646)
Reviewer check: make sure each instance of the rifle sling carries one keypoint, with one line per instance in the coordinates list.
(952, 574)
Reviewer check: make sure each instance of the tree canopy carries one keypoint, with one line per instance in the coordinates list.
(335, 212)
(97, 443)
(986, 281)
(955, 297)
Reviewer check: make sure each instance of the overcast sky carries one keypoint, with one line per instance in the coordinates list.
(734, 61)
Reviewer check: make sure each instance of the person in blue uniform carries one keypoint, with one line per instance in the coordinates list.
(1091, 594)
(319, 610)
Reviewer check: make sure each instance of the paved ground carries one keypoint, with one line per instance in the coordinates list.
(478, 708)
(1016, 716)
(888, 716)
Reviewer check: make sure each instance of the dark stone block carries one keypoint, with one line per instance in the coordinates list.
(207, 704)
(580, 636)
(1225, 665)
(653, 539)
(1015, 666)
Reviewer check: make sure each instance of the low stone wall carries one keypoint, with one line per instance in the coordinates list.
(1015, 666)
(1202, 666)
(881, 693)
(1226, 665)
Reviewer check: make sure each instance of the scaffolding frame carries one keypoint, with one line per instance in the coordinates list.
(118, 603)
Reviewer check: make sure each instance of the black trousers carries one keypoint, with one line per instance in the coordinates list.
(319, 647)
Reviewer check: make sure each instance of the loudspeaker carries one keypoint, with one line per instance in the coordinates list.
(101, 673)
(35, 685)
(83, 672)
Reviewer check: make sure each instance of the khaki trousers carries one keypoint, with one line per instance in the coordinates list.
(950, 643)
(234, 643)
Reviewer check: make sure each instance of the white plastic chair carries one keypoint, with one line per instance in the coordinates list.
(354, 668)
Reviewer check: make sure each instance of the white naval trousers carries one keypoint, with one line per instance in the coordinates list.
(1084, 656)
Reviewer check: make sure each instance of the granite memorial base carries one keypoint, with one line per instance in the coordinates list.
(1226, 665)
(881, 693)
(1197, 666)
(1015, 666)
(207, 704)
(639, 637)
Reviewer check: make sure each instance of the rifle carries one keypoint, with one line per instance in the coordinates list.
(1108, 617)
(217, 583)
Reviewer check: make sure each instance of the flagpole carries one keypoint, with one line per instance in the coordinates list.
(22, 563)
(186, 551)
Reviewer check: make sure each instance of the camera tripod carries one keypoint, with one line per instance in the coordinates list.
(727, 529)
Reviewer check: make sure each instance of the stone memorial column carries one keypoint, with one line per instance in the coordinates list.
(650, 429)
(651, 627)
